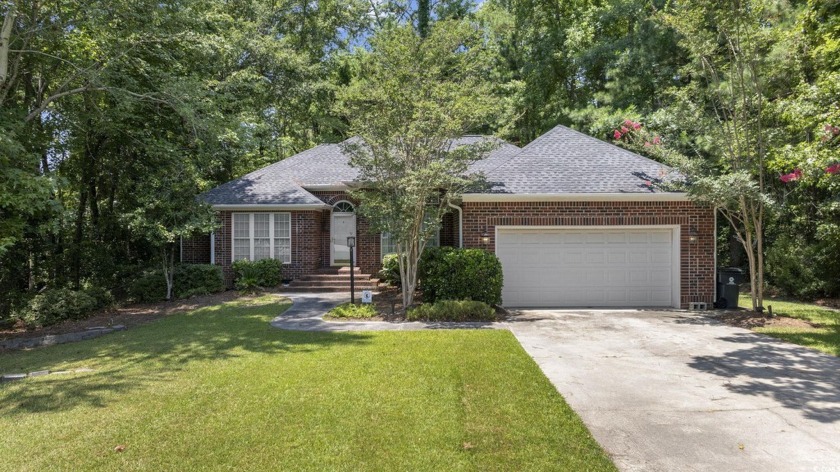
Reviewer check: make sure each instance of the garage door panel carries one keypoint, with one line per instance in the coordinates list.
(587, 267)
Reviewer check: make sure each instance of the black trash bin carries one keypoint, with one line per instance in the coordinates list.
(728, 281)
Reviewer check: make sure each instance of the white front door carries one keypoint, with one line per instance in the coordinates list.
(343, 226)
(589, 267)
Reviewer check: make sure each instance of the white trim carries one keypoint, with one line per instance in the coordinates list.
(181, 249)
(270, 238)
(213, 247)
(325, 188)
(715, 268)
(576, 197)
(332, 234)
(272, 207)
(676, 256)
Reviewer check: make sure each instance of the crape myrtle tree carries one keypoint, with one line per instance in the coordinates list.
(412, 98)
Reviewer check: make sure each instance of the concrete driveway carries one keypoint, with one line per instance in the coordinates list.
(674, 391)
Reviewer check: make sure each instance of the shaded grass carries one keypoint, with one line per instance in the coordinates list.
(218, 388)
(824, 337)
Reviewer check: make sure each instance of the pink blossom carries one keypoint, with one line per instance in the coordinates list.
(657, 140)
(637, 126)
(616, 135)
(647, 143)
(648, 183)
(795, 175)
(624, 129)
(832, 169)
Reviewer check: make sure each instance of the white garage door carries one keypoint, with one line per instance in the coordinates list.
(597, 267)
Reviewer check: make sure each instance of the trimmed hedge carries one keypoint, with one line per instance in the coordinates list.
(447, 273)
(452, 310)
(189, 280)
(60, 304)
(249, 276)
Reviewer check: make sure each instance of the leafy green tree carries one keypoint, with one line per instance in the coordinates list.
(413, 98)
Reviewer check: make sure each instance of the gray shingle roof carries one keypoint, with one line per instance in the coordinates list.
(558, 162)
(565, 161)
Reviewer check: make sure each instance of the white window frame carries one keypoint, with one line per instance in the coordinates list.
(271, 235)
(382, 237)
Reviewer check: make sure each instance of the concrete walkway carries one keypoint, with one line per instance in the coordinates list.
(308, 309)
(676, 391)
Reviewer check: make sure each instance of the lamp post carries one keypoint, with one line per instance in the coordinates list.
(351, 243)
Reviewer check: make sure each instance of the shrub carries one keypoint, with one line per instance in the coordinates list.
(460, 274)
(390, 272)
(349, 310)
(54, 305)
(792, 268)
(452, 310)
(250, 275)
(189, 280)
(197, 279)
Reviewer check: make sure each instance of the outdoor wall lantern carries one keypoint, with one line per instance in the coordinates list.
(692, 235)
(485, 237)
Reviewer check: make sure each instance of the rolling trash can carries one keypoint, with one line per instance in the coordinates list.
(728, 281)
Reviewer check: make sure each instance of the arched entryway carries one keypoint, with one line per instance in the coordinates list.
(343, 225)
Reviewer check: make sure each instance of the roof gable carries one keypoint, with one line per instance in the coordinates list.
(565, 161)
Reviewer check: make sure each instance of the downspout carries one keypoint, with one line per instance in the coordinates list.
(213, 248)
(181, 249)
(460, 224)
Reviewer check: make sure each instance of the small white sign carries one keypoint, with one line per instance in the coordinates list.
(367, 296)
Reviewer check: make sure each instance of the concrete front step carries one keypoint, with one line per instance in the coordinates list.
(338, 270)
(338, 278)
(329, 288)
(325, 283)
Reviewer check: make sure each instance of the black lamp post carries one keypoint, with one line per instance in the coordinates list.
(351, 243)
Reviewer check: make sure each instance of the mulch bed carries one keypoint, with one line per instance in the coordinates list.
(751, 320)
(128, 316)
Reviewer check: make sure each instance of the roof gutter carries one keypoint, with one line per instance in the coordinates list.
(576, 197)
(271, 207)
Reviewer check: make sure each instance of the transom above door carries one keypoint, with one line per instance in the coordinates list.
(343, 225)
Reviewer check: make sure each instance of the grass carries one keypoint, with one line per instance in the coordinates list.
(218, 388)
(825, 337)
(352, 311)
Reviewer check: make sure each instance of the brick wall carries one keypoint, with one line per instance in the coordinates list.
(306, 238)
(696, 259)
(196, 250)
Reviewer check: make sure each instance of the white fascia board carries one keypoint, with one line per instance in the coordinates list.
(325, 188)
(576, 197)
(272, 207)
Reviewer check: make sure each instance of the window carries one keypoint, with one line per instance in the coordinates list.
(262, 236)
(343, 207)
(389, 246)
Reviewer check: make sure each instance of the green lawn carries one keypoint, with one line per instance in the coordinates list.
(825, 338)
(218, 388)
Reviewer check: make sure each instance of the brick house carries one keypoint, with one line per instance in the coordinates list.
(574, 220)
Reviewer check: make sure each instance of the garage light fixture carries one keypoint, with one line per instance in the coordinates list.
(485, 237)
(692, 235)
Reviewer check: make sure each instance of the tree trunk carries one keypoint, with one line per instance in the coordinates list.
(168, 259)
(5, 43)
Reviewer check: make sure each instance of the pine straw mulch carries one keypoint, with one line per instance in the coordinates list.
(128, 316)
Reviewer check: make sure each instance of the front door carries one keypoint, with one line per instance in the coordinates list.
(343, 226)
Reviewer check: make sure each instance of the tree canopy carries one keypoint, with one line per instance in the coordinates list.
(100, 101)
